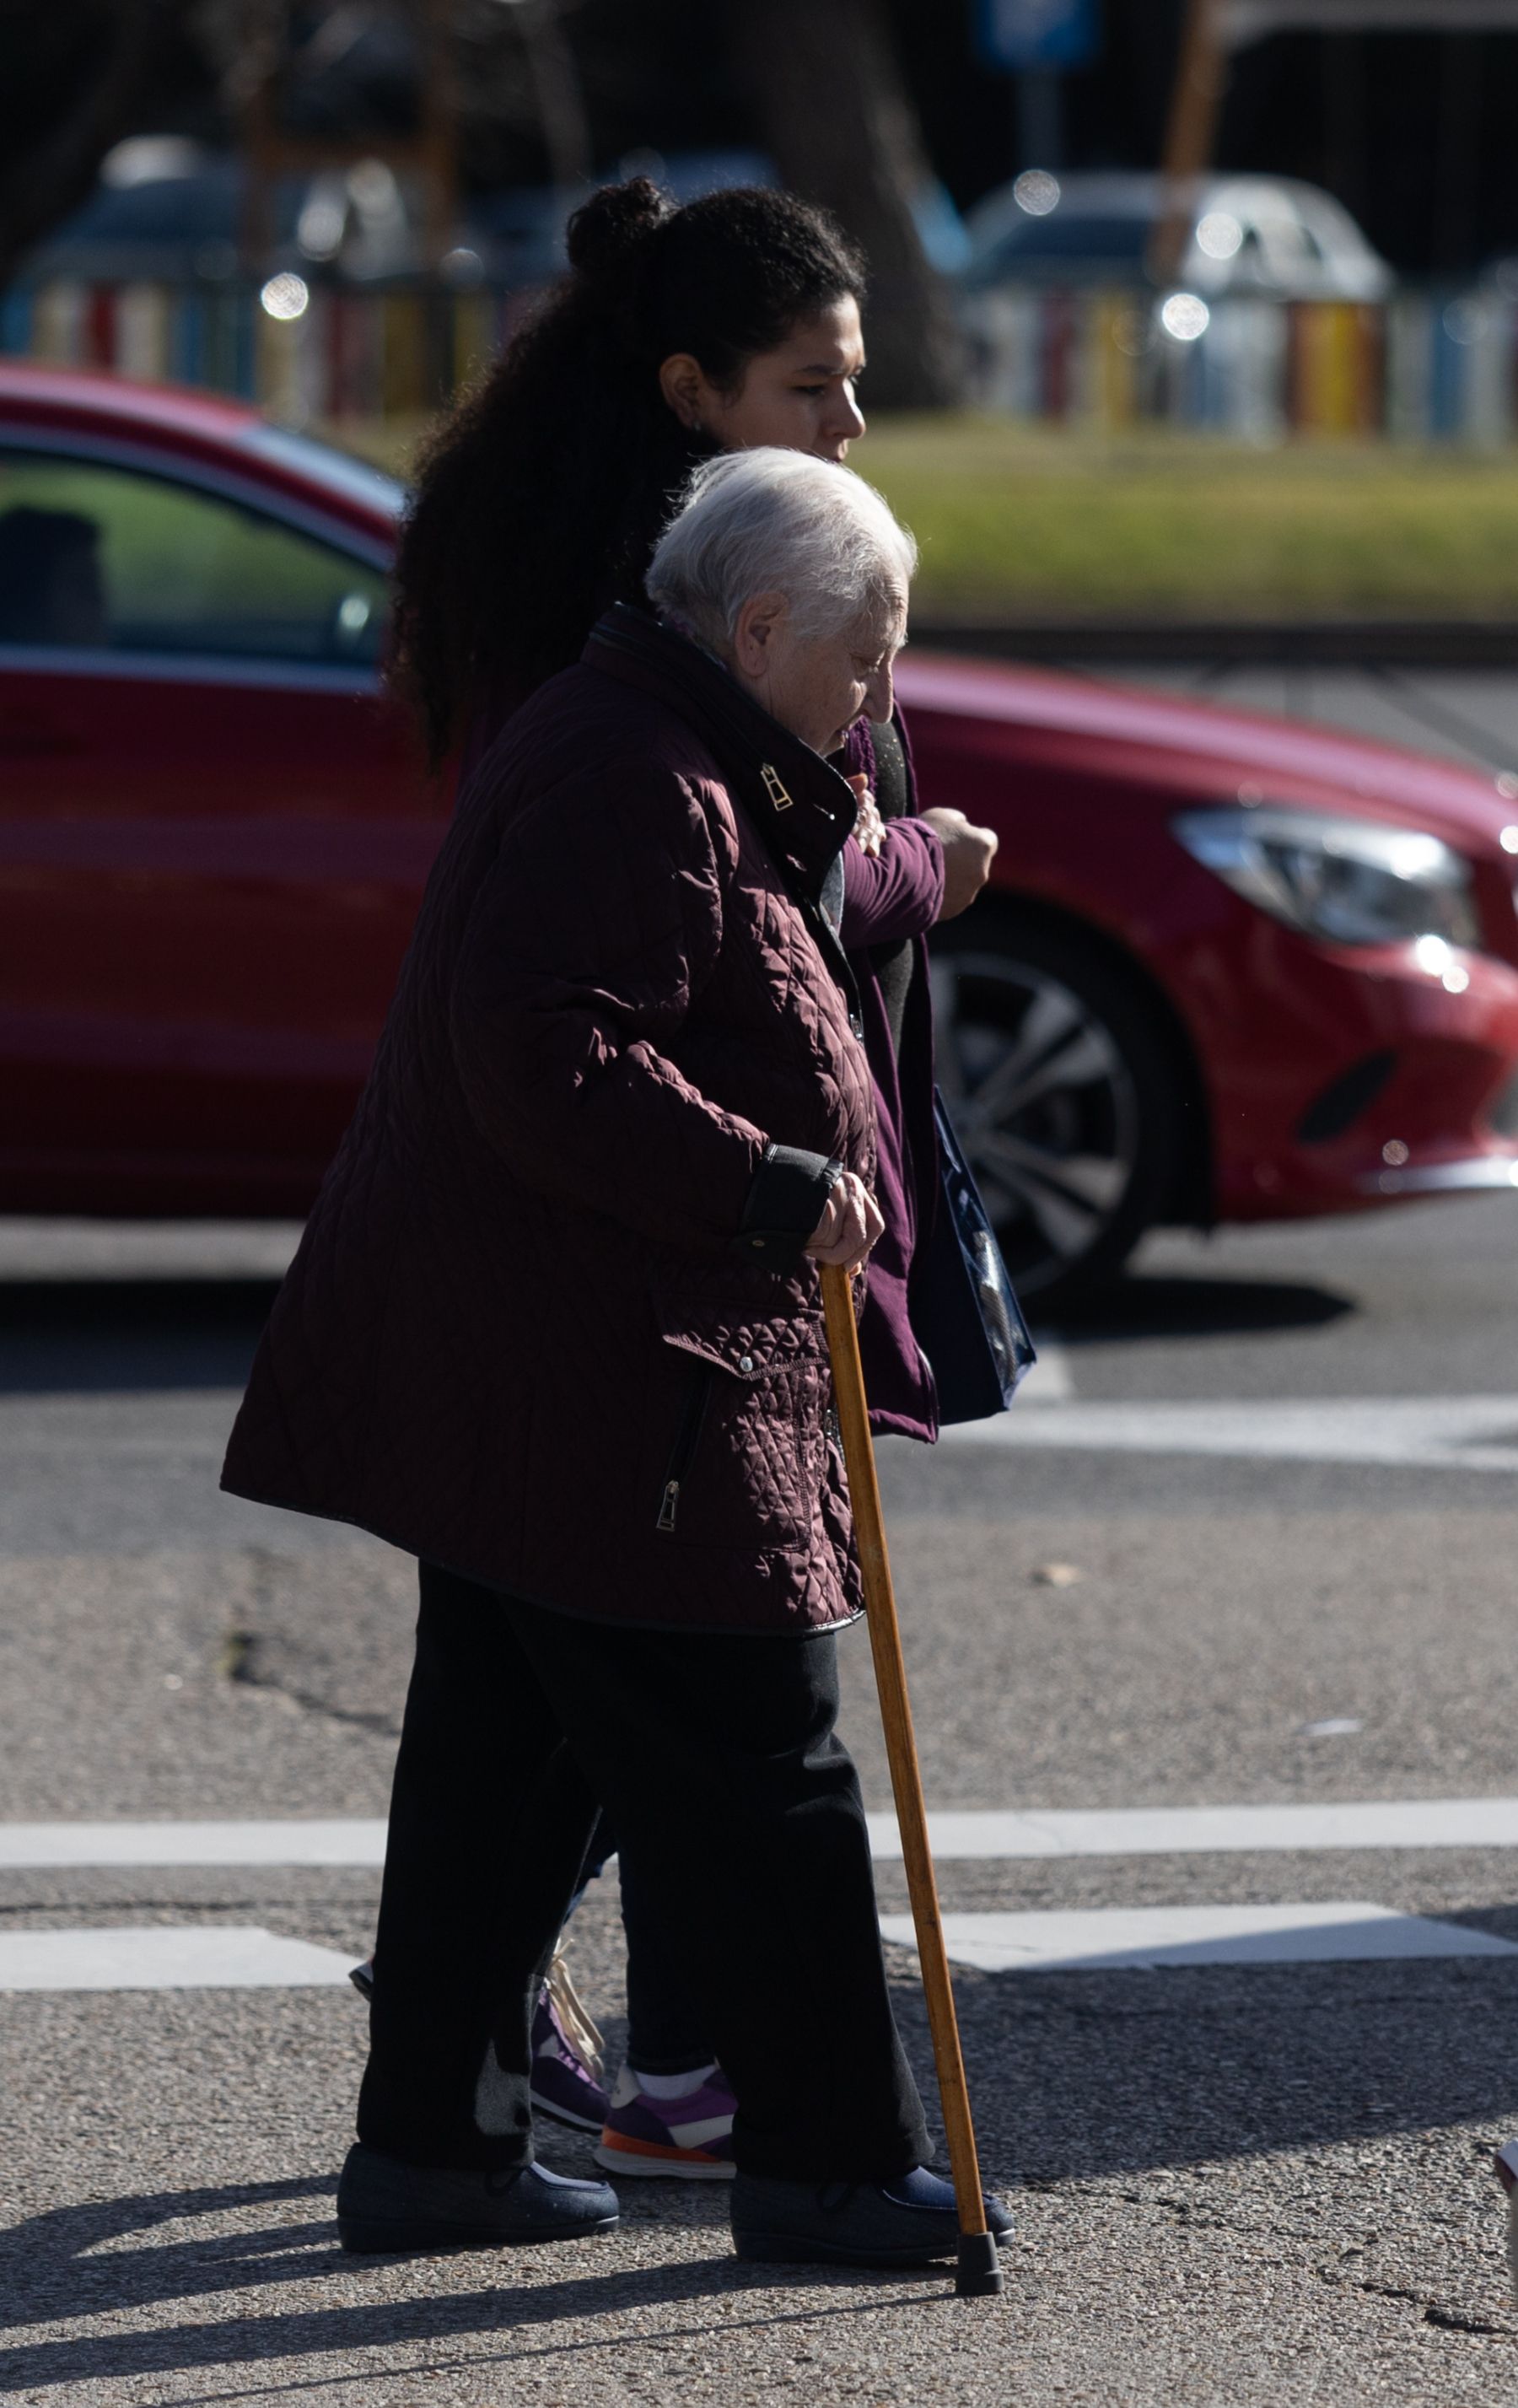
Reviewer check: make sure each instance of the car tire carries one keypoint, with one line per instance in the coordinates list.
(1064, 1091)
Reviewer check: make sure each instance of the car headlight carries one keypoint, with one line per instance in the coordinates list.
(1354, 881)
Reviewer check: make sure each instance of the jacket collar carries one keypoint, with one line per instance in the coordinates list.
(802, 806)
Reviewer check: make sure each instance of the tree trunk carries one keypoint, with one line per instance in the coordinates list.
(835, 116)
(559, 95)
(105, 56)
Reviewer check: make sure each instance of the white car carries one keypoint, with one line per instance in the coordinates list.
(1248, 234)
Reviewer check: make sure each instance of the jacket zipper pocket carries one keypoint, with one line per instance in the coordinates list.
(687, 1438)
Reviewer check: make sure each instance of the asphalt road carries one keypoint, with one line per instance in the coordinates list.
(1234, 2183)
(1467, 715)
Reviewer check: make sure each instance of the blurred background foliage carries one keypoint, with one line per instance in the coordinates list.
(1411, 131)
(894, 114)
(1021, 525)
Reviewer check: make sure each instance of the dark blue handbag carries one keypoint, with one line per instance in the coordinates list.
(965, 1313)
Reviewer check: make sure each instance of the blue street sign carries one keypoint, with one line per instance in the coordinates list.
(1015, 34)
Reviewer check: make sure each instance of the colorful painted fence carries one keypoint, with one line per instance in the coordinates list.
(321, 353)
(1423, 366)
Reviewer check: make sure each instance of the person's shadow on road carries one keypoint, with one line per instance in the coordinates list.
(1073, 2076)
(1077, 2075)
(95, 1336)
(1156, 1304)
(79, 2264)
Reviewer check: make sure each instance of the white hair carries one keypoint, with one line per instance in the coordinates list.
(774, 521)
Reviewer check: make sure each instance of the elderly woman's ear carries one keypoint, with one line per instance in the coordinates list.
(752, 640)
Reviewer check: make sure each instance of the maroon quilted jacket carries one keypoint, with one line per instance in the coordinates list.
(550, 1324)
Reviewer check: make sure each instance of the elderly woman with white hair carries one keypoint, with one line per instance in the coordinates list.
(554, 1328)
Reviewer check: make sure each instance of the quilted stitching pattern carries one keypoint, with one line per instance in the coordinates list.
(527, 1244)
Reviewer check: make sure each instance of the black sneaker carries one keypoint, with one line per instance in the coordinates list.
(383, 2204)
(908, 2221)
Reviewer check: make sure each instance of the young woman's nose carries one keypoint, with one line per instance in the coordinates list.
(846, 420)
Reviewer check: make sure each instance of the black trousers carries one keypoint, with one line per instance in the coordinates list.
(717, 1760)
(664, 2034)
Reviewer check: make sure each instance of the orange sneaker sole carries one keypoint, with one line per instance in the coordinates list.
(620, 2156)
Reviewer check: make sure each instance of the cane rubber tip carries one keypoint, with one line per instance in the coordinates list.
(978, 2273)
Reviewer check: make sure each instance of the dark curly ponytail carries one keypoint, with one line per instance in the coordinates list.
(606, 238)
(539, 498)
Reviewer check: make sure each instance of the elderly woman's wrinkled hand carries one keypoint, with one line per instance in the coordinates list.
(850, 1225)
(869, 827)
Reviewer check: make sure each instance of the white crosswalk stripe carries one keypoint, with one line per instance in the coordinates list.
(199, 1956)
(1049, 1383)
(165, 1957)
(219, 1956)
(346, 1840)
(1444, 1433)
(1100, 1939)
(1208, 1830)
(973, 1832)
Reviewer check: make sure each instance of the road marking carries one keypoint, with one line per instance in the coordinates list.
(1157, 1936)
(183, 1956)
(121, 1424)
(114, 1251)
(1445, 1433)
(1033, 1831)
(167, 1956)
(1049, 1383)
(1208, 1830)
(37, 1845)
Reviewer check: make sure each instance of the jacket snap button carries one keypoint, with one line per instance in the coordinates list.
(745, 1362)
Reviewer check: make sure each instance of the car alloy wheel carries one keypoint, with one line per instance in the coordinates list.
(1065, 1120)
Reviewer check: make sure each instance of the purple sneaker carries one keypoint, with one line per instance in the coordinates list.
(566, 2056)
(690, 2138)
(566, 2050)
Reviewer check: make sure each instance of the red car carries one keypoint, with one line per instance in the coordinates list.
(1229, 969)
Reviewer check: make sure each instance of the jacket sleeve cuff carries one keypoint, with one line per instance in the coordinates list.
(785, 1203)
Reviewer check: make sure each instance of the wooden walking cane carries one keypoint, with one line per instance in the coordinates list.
(978, 2269)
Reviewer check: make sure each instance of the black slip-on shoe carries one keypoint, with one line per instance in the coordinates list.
(383, 2204)
(908, 2221)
